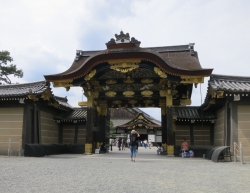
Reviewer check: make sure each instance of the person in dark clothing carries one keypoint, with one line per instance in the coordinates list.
(133, 144)
(119, 143)
(103, 148)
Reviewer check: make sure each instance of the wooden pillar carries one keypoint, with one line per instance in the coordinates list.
(108, 126)
(103, 117)
(90, 123)
(169, 116)
(163, 124)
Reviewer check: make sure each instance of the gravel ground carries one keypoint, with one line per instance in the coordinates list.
(114, 172)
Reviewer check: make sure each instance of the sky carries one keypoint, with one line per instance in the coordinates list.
(42, 36)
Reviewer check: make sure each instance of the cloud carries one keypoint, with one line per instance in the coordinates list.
(42, 36)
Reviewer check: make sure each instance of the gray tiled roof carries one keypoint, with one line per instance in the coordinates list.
(229, 83)
(23, 89)
(63, 101)
(192, 113)
(120, 121)
(137, 121)
(76, 114)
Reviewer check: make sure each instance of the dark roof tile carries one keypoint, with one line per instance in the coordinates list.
(23, 89)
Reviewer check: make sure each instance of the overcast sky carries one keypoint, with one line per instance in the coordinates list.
(43, 36)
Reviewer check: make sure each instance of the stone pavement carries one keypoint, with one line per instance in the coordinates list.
(114, 172)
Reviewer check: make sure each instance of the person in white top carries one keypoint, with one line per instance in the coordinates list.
(128, 142)
(145, 143)
(149, 143)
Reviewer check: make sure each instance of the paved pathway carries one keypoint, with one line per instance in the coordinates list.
(114, 172)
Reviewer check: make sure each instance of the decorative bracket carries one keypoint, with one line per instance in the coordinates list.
(124, 65)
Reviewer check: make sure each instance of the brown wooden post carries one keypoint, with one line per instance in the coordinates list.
(169, 116)
(103, 117)
(90, 122)
(163, 124)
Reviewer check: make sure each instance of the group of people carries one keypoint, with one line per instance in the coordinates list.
(132, 144)
(146, 143)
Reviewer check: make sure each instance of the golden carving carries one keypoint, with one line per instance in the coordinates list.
(170, 149)
(192, 79)
(63, 83)
(140, 117)
(94, 83)
(148, 101)
(147, 93)
(220, 94)
(147, 80)
(110, 81)
(185, 102)
(174, 117)
(163, 93)
(98, 109)
(110, 94)
(90, 75)
(117, 102)
(124, 65)
(82, 103)
(169, 100)
(103, 110)
(212, 102)
(128, 93)
(90, 102)
(54, 104)
(160, 72)
(33, 97)
(128, 80)
(91, 94)
(46, 95)
(132, 102)
(162, 104)
(88, 148)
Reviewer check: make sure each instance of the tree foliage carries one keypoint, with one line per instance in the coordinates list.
(7, 69)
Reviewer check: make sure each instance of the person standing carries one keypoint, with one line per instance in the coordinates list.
(149, 143)
(128, 142)
(145, 143)
(133, 144)
(184, 146)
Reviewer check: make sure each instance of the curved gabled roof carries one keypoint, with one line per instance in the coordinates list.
(141, 120)
(176, 60)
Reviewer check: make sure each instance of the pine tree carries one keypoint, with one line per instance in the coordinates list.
(7, 69)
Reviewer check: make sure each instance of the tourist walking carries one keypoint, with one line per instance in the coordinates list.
(145, 144)
(133, 144)
(128, 142)
(149, 143)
